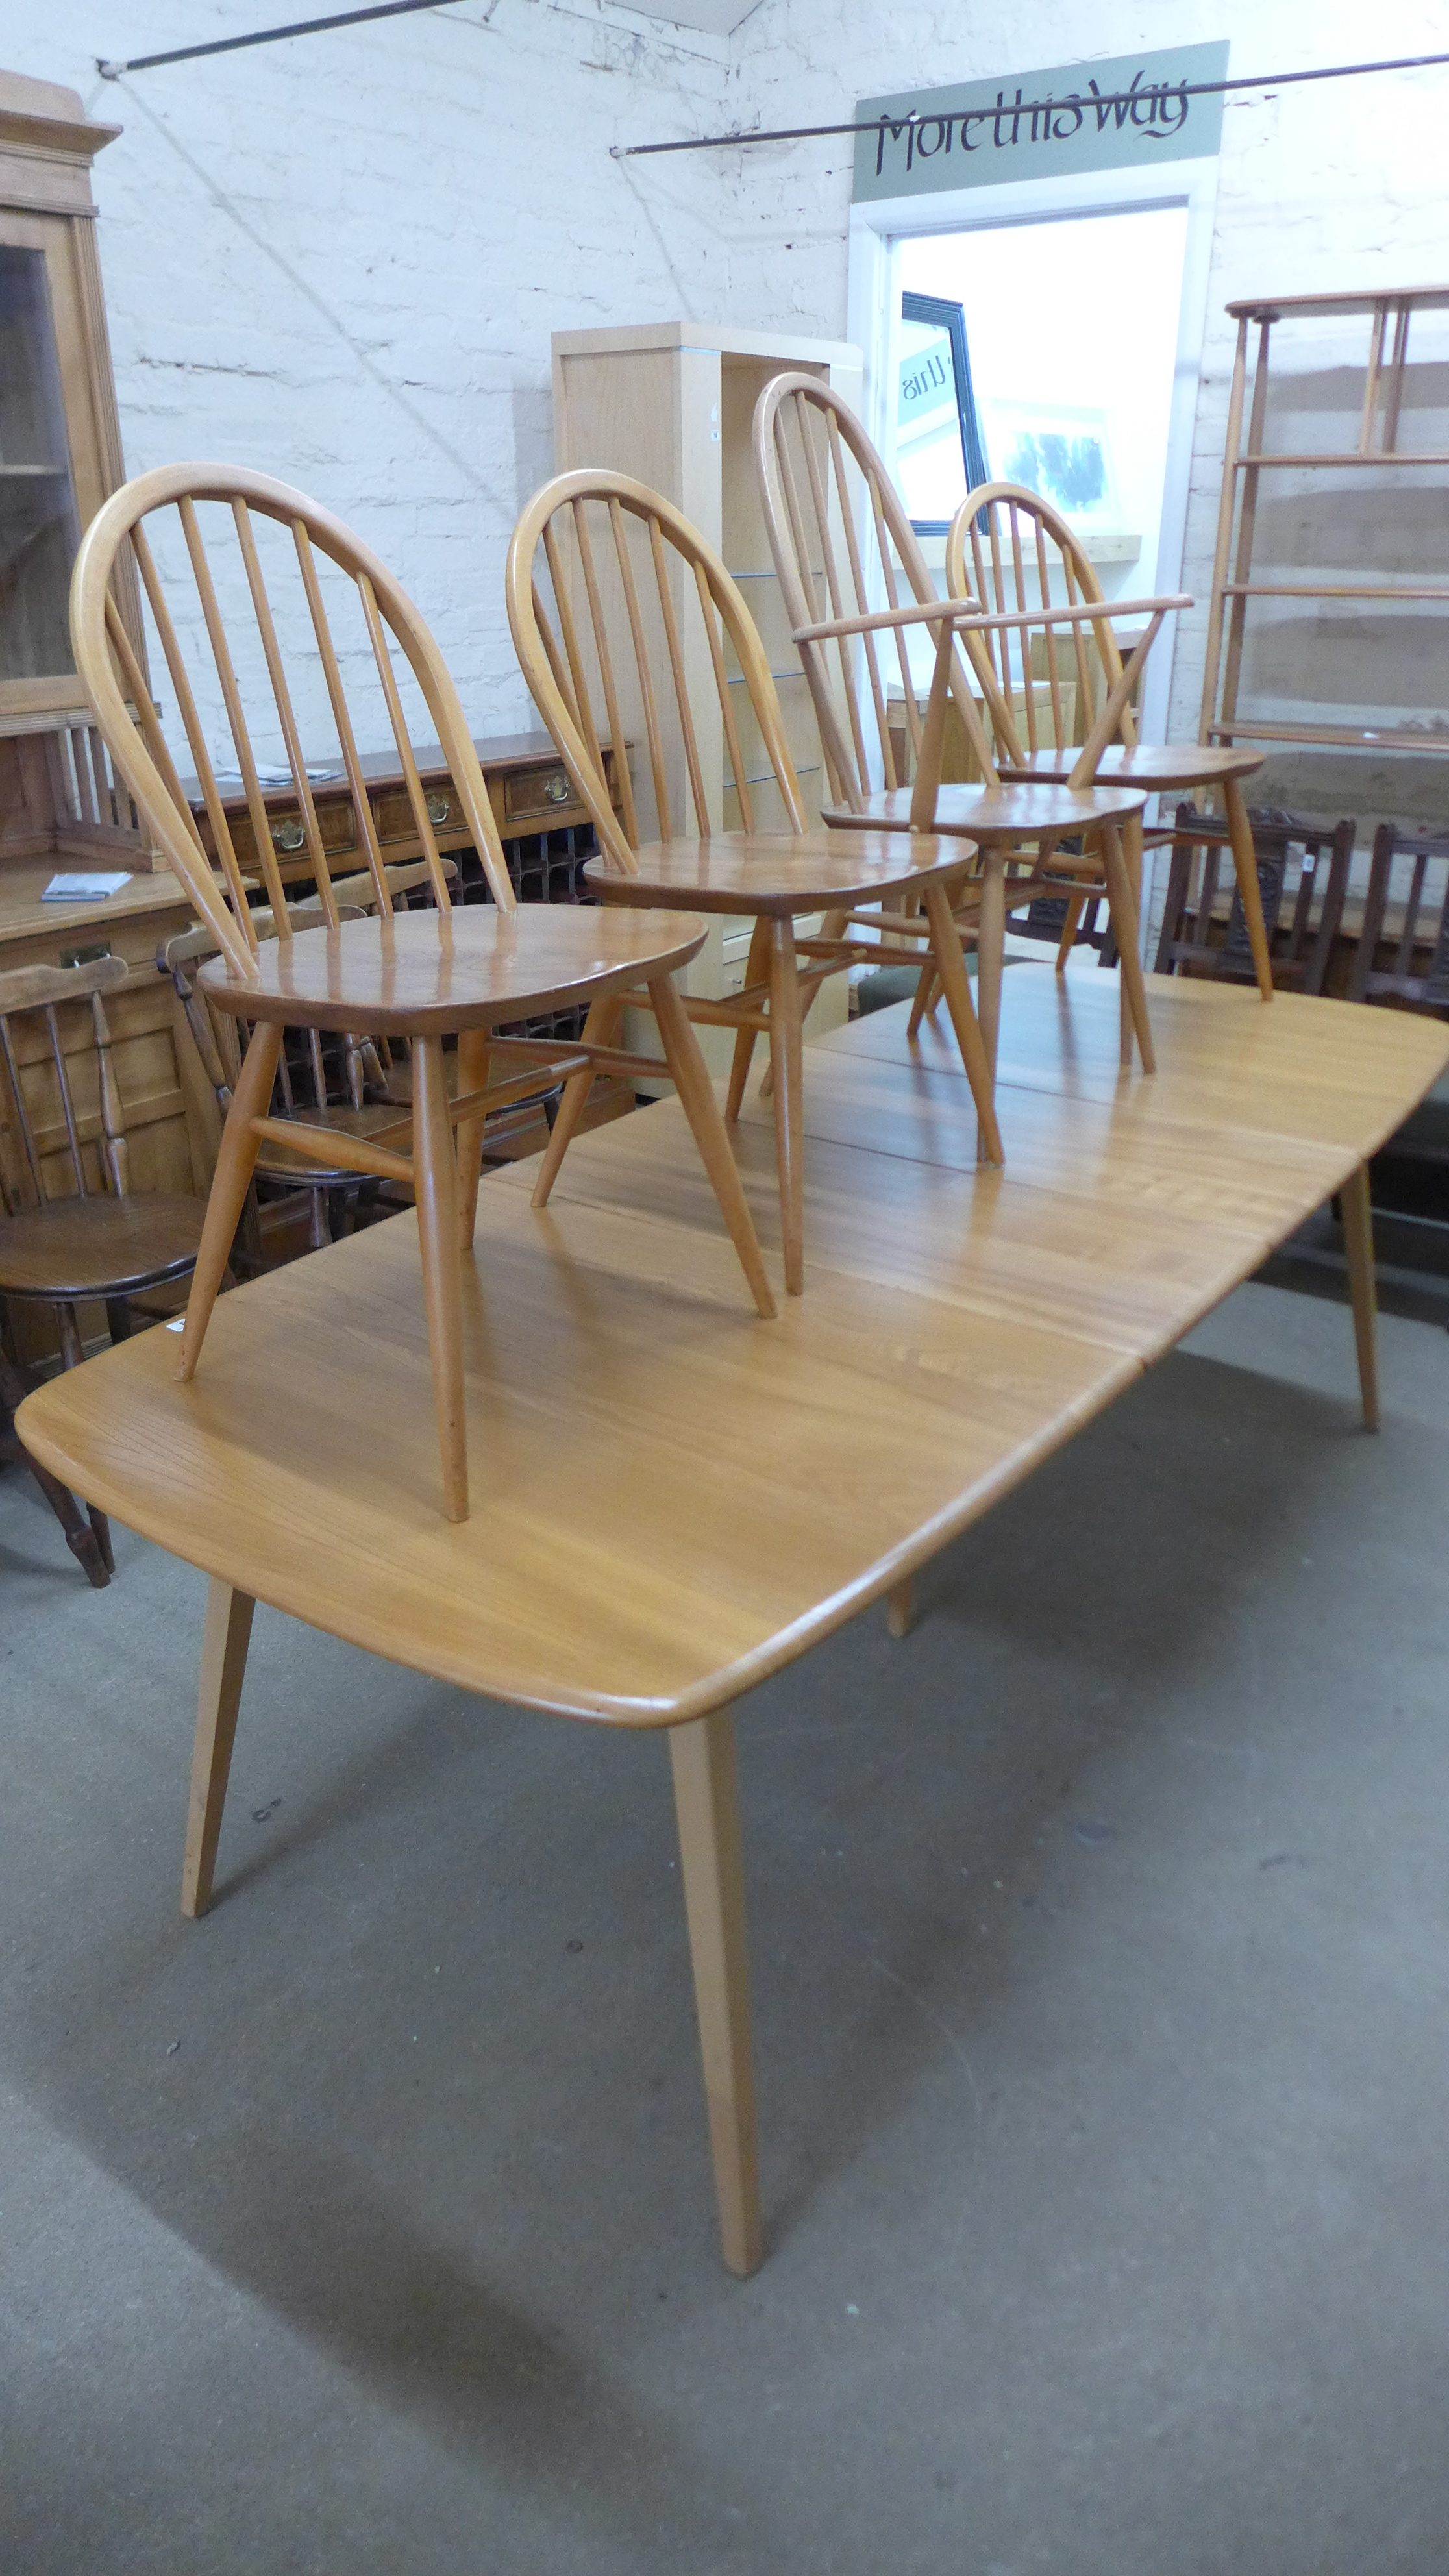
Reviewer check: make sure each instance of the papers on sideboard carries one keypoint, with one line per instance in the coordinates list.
(85, 885)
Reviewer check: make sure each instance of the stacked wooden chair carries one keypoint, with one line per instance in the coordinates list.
(412, 977)
(620, 612)
(1010, 550)
(90, 1240)
(843, 546)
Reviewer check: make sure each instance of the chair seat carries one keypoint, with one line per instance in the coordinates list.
(781, 873)
(421, 973)
(1155, 767)
(101, 1247)
(1002, 813)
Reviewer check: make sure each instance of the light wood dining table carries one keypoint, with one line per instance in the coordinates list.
(671, 1504)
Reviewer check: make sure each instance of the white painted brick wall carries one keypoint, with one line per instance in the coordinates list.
(341, 257)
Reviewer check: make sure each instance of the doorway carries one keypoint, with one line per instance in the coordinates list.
(1067, 337)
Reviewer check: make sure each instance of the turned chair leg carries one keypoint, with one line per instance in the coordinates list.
(1358, 1242)
(235, 1165)
(600, 1029)
(990, 970)
(1124, 929)
(1071, 924)
(898, 1607)
(224, 1643)
(755, 971)
(787, 1066)
(707, 1806)
(473, 1054)
(435, 1184)
(691, 1080)
(1245, 862)
(956, 985)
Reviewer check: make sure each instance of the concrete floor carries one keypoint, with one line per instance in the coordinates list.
(1100, 1936)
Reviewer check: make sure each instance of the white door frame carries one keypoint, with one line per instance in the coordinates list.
(877, 230)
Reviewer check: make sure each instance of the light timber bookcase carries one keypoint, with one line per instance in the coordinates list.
(1329, 612)
(672, 403)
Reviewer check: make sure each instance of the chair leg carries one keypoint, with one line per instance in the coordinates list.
(224, 1644)
(898, 1607)
(473, 1053)
(1071, 924)
(235, 1165)
(1245, 861)
(956, 985)
(435, 1184)
(80, 1537)
(1358, 1240)
(702, 1754)
(926, 995)
(755, 972)
(600, 1029)
(991, 954)
(1124, 926)
(787, 1065)
(696, 1098)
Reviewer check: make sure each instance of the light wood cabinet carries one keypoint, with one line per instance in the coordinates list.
(672, 404)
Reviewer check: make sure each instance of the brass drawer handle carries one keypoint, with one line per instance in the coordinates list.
(438, 808)
(291, 835)
(556, 787)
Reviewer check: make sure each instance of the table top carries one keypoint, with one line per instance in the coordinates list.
(672, 1499)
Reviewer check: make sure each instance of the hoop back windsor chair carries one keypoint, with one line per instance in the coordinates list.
(678, 621)
(845, 551)
(418, 976)
(1012, 550)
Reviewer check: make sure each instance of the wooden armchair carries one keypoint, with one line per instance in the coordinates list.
(72, 1233)
(416, 977)
(843, 548)
(643, 616)
(1010, 550)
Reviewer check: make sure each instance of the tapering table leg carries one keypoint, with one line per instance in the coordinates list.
(707, 1805)
(1358, 1242)
(224, 1644)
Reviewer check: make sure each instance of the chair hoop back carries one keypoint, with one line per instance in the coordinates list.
(591, 574)
(116, 688)
(1011, 550)
(842, 540)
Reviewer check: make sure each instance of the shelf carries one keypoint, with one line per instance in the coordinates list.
(34, 473)
(1354, 456)
(1271, 308)
(1343, 737)
(1328, 590)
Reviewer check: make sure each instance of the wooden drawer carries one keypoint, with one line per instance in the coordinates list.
(393, 813)
(335, 821)
(539, 799)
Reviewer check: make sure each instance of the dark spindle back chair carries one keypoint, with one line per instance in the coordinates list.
(73, 1232)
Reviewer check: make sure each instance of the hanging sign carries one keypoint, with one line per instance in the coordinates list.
(1117, 115)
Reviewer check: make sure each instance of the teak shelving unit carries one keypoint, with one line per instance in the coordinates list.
(1389, 315)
